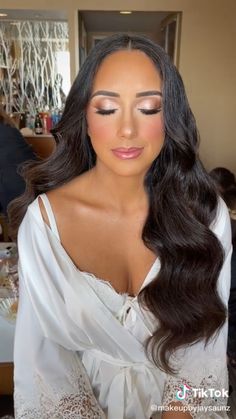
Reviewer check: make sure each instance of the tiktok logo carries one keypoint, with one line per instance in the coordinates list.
(181, 394)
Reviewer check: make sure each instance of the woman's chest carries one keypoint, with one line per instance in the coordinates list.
(113, 252)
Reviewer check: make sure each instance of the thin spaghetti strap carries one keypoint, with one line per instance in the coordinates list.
(49, 211)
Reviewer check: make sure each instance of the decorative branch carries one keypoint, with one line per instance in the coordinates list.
(31, 80)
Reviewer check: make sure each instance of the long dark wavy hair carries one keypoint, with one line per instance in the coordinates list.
(182, 204)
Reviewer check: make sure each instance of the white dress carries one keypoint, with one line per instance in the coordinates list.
(67, 316)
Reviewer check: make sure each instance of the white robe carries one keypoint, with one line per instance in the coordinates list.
(67, 316)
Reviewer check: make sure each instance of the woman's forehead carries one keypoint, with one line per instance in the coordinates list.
(127, 68)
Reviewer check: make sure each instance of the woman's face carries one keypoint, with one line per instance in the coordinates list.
(124, 115)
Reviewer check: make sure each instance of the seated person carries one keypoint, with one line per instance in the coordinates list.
(13, 152)
(226, 186)
(230, 199)
(223, 179)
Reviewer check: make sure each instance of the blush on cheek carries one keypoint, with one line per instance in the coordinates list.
(94, 123)
(155, 132)
(101, 133)
(99, 128)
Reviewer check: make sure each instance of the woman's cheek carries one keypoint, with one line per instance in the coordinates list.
(99, 129)
(154, 132)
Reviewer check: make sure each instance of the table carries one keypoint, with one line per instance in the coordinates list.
(43, 145)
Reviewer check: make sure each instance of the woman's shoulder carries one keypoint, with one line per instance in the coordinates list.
(31, 216)
(221, 226)
(57, 201)
(222, 218)
(74, 192)
(52, 206)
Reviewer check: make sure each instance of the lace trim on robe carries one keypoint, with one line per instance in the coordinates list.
(54, 403)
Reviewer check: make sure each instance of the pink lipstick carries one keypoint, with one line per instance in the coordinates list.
(127, 153)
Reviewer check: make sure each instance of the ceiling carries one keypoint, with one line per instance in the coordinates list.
(95, 21)
(110, 21)
(58, 15)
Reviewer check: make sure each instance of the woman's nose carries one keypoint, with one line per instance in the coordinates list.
(127, 127)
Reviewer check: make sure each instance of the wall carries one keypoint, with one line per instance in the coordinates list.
(92, 35)
(207, 62)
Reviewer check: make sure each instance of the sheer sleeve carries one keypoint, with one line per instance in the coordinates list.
(202, 382)
(50, 382)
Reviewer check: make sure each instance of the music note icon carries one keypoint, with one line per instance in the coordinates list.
(181, 394)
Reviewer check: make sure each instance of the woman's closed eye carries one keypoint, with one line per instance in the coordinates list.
(149, 106)
(106, 111)
(145, 111)
(150, 111)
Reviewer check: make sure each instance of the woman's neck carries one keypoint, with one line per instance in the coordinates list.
(125, 194)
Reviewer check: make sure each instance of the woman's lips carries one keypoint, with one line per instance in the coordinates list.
(127, 153)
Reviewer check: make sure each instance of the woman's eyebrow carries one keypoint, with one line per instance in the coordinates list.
(149, 93)
(105, 93)
(140, 94)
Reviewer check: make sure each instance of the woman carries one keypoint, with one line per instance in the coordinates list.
(13, 152)
(122, 268)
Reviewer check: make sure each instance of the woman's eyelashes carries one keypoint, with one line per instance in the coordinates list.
(105, 111)
(149, 111)
(145, 111)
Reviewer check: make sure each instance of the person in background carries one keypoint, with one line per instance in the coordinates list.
(230, 199)
(223, 179)
(13, 152)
